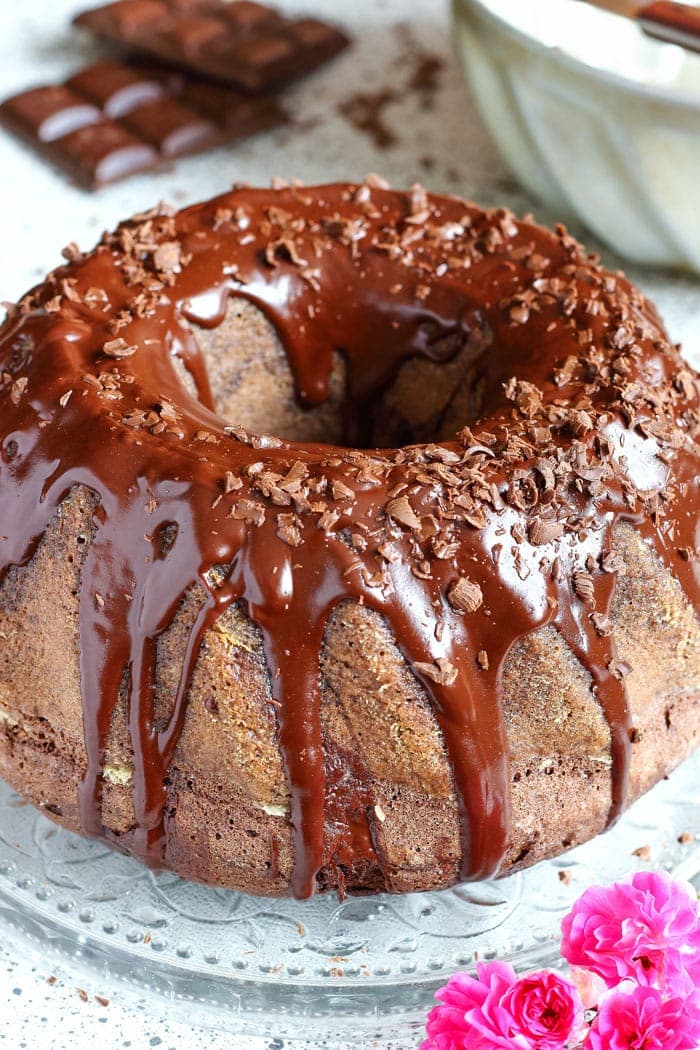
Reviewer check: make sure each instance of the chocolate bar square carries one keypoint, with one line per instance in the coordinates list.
(114, 119)
(245, 44)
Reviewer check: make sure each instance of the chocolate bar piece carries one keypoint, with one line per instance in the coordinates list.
(245, 44)
(114, 119)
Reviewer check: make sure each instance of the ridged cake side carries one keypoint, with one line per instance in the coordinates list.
(228, 800)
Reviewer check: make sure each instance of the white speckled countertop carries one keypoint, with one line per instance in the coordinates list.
(438, 140)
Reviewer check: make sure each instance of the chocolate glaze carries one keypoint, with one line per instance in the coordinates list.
(588, 417)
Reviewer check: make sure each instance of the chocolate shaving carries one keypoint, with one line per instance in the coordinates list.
(118, 348)
(232, 482)
(401, 510)
(465, 596)
(18, 388)
(542, 532)
(613, 562)
(288, 529)
(584, 587)
(442, 671)
(602, 624)
(250, 511)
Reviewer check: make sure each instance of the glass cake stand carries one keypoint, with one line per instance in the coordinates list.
(363, 968)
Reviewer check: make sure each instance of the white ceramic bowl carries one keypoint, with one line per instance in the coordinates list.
(595, 119)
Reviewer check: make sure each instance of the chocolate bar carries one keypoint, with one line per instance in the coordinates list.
(241, 43)
(114, 119)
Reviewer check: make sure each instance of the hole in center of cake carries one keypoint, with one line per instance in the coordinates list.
(253, 387)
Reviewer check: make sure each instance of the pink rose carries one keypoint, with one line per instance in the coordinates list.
(636, 1017)
(468, 1006)
(646, 928)
(546, 1009)
(497, 1011)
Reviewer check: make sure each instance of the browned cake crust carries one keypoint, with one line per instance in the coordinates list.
(393, 809)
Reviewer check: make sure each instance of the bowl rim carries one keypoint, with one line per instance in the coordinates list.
(678, 98)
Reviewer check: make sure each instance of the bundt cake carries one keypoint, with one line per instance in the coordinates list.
(347, 541)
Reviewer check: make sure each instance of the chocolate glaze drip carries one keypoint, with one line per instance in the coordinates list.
(588, 417)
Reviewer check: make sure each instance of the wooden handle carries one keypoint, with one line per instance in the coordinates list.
(672, 22)
(627, 8)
